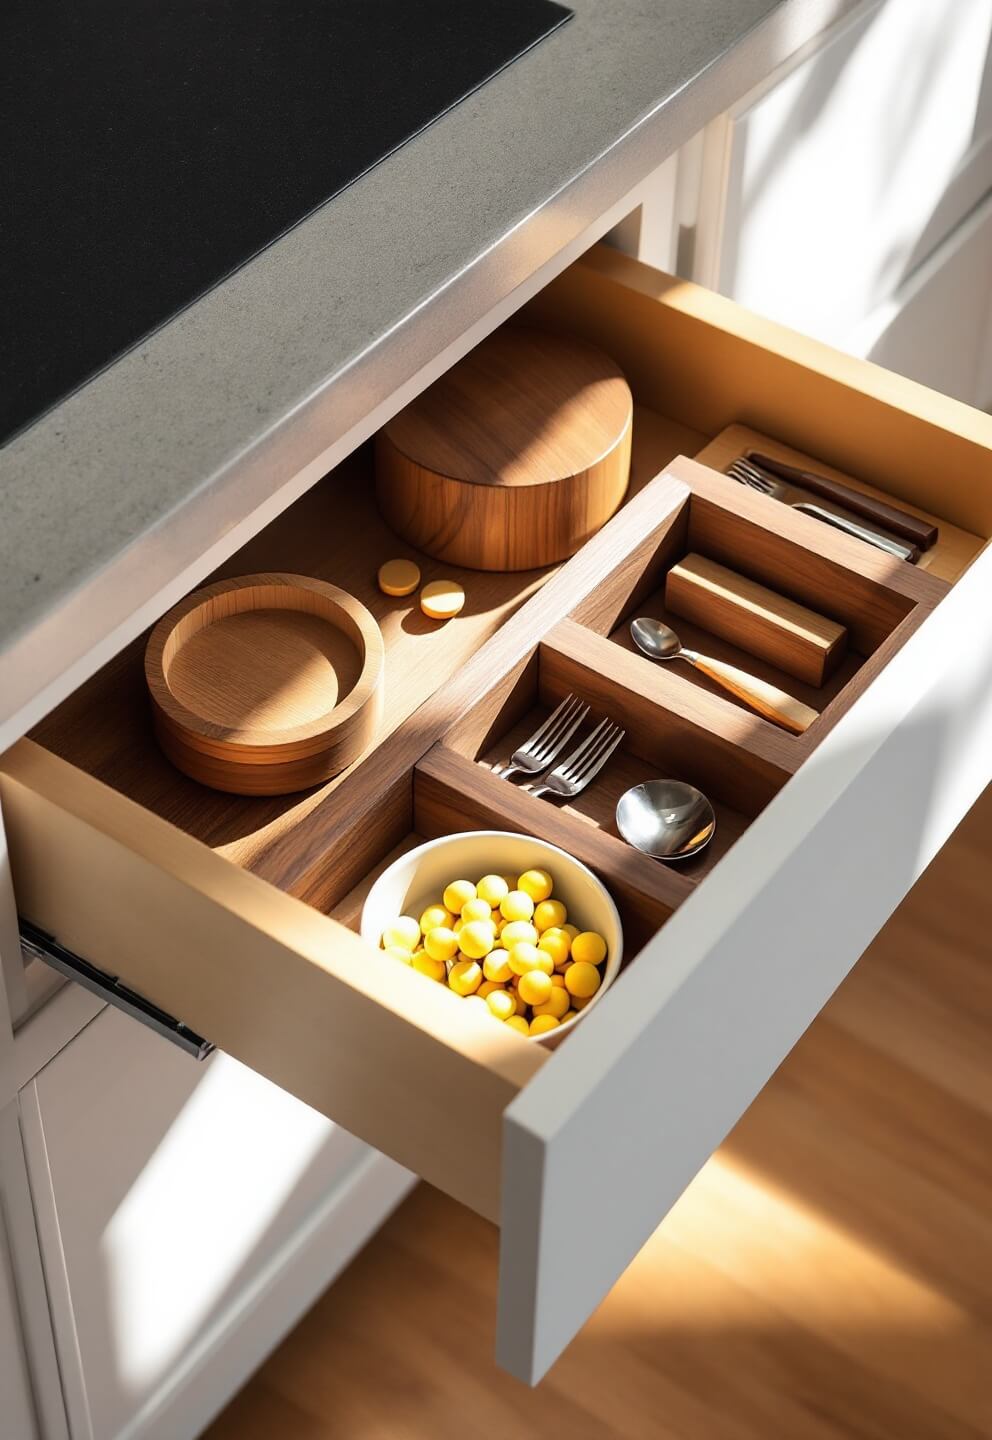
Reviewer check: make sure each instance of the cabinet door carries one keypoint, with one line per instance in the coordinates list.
(188, 1215)
(935, 328)
(832, 183)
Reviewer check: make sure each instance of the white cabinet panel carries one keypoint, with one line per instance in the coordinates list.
(935, 328)
(188, 1214)
(839, 178)
(30, 1389)
(17, 1416)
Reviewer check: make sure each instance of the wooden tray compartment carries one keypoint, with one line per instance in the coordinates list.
(879, 600)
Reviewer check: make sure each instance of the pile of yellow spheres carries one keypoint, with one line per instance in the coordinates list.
(505, 945)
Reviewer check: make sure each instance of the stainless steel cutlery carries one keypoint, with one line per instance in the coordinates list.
(542, 749)
(584, 764)
(745, 472)
(539, 752)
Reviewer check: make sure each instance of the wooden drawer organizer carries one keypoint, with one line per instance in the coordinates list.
(237, 914)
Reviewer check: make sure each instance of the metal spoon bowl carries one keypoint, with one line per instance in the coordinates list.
(667, 819)
(655, 639)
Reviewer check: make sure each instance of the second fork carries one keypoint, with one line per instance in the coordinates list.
(584, 764)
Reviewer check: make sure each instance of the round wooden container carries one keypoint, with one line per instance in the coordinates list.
(266, 684)
(514, 458)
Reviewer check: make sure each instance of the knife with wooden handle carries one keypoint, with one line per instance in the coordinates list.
(899, 522)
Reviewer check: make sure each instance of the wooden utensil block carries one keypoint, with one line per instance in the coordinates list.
(797, 640)
(266, 684)
(514, 458)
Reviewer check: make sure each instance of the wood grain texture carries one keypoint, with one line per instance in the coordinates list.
(265, 684)
(514, 458)
(947, 559)
(820, 1279)
(294, 995)
(335, 534)
(759, 621)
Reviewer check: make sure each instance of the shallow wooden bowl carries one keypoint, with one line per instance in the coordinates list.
(265, 684)
(514, 458)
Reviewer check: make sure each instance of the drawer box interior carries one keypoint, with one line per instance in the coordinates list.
(697, 366)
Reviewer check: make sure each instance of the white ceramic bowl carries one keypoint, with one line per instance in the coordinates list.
(418, 878)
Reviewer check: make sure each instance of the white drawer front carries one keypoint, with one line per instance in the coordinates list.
(600, 1145)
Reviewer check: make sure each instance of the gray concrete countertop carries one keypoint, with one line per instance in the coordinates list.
(130, 491)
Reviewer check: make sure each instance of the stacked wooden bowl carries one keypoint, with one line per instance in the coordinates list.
(514, 458)
(266, 684)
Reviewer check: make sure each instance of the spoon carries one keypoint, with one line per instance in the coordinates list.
(660, 642)
(666, 818)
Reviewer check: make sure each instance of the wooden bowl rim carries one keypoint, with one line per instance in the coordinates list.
(306, 739)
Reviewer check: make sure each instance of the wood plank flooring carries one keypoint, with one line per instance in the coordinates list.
(827, 1275)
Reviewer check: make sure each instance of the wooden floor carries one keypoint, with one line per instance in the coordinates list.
(828, 1274)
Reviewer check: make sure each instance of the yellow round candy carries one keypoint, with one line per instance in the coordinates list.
(582, 979)
(488, 986)
(589, 947)
(549, 915)
(476, 910)
(534, 987)
(400, 952)
(501, 1003)
(518, 1023)
(433, 969)
(441, 944)
(520, 1003)
(478, 1004)
(436, 917)
(442, 599)
(568, 1015)
(517, 932)
(528, 957)
(476, 939)
(516, 905)
(511, 882)
(556, 944)
(558, 979)
(536, 883)
(571, 931)
(541, 1024)
(399, 577)
(556, 1003)
(403, 931)
(457, 894)
(496, 966)
(579, 1002)
(492, 888)
(465, 977)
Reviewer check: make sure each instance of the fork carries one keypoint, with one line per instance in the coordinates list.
(584, 763)
(547, 743)
(745, 473)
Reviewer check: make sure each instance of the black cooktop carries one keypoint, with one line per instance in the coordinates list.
(156, 145)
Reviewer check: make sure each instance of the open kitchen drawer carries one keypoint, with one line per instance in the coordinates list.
(233, 914)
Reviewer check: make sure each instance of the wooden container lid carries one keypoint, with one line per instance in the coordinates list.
(514, 458)
(266, 684)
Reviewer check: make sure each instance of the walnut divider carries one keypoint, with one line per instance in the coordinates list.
(674, 725)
